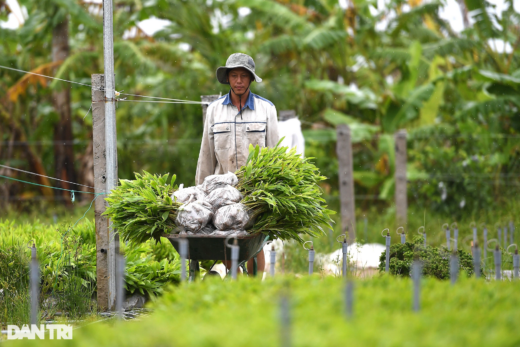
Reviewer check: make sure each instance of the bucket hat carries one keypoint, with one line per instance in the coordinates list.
(234, 61)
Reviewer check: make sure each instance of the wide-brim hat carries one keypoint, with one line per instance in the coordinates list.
(234, 61)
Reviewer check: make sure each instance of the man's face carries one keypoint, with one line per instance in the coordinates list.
(239, 80)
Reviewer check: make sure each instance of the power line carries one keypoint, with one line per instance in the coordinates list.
(36, 174)
(102, 89)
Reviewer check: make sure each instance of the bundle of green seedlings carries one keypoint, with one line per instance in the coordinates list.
(143, 209)
(282, 194)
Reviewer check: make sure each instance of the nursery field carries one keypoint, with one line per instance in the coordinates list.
(247, 312)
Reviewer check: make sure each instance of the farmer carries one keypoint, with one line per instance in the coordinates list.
(235, 121)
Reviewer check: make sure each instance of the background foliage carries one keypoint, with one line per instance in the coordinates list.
(454, 92)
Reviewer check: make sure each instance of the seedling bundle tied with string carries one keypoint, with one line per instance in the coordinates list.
(282, 194)
(142, 209)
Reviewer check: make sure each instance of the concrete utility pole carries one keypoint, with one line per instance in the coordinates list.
(207, 99)
(102, 234)
(110, 140)
(401, 203)
(346, 181)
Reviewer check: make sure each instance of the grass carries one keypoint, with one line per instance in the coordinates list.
(224, 313)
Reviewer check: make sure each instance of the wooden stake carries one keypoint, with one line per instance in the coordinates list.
(346, 181)
(401, 203)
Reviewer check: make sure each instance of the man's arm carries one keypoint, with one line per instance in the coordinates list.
(207, 159)
(272, 136)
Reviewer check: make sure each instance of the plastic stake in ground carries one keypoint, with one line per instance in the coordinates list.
(235, 250)
(311, 256)
(387, 241)
(499, 232)
(512, 232)
(516, 264)
(475, 236)
(498, 263)
(455, 228)
(183, 252)
(422, 233)
(403, 235)
(485, 246)
(285, 322)
(454, 267)
(416, 277)
(448, 235)
(476, 260)
(505, 237)
(35, 285)
(120, 284)
(349, 298)
(344, 250)
(273, 260)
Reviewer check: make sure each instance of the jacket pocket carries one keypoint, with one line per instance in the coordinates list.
(222, 135)
(255, 133)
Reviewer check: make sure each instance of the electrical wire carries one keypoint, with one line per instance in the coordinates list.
(36, 174)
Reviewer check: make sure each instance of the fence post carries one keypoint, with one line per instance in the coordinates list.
(346, 181)
(103, 271)
(206, 100)
(401, 203)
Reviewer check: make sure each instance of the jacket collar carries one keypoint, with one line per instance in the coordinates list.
(250, 102)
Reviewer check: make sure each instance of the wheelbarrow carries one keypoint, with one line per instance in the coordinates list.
(207, 247)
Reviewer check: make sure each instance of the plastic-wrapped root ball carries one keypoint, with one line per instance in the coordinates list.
(218, 181)
(194, 216)
(226, 195)
(188, 194)
(231, 217)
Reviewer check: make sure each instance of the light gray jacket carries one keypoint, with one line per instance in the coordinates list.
(228, 134)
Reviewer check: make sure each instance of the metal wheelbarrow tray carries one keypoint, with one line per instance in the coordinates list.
(207, 247)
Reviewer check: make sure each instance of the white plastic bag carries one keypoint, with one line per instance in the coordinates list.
(187, 195)
(226, 195)
(218, 181)
(231, 217)
(194, 215)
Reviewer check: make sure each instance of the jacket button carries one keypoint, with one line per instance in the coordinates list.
(247, 128)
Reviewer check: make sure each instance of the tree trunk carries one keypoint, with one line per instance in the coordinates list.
(63, 140)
